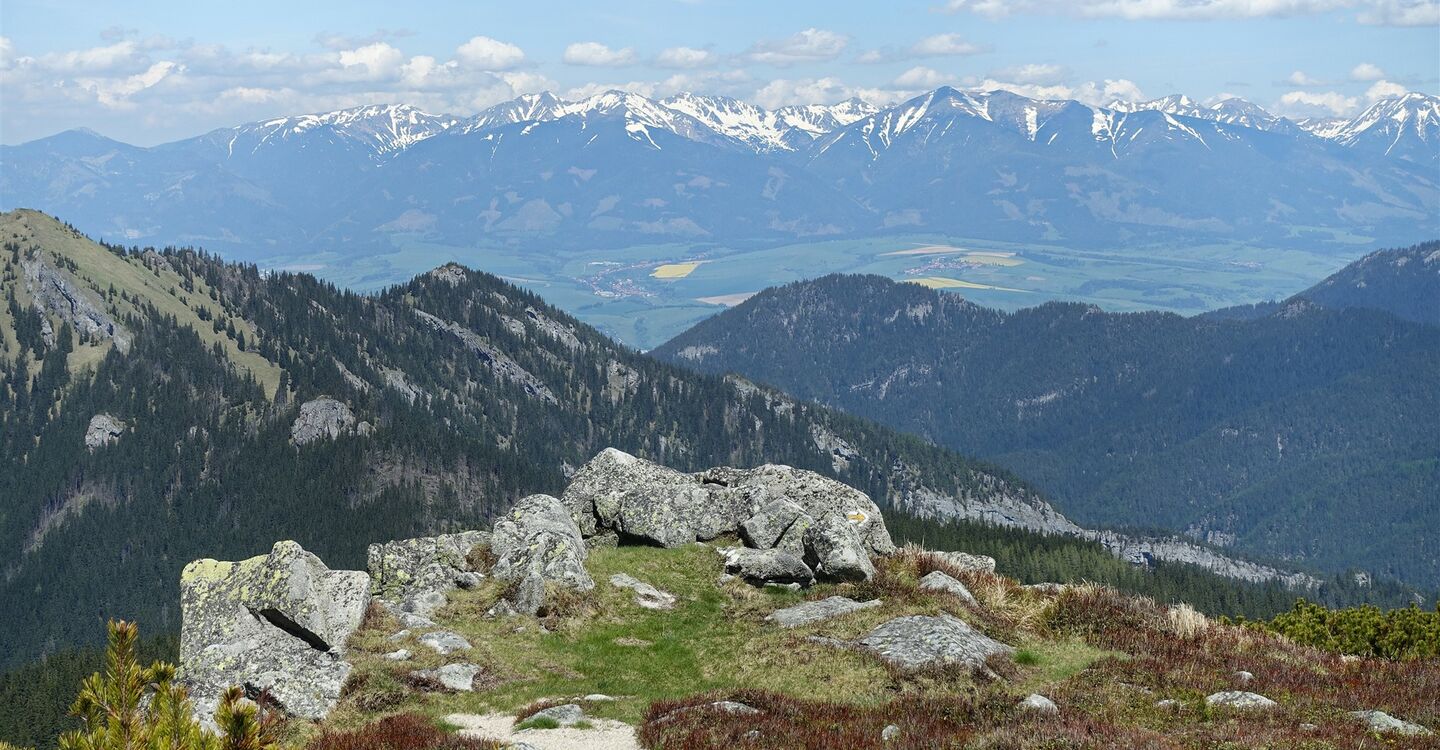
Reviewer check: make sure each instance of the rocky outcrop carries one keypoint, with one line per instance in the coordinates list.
(55, 293)
(323, 418)
(829, 528)
(413, 575)
(919, 641)
(276, 622)
(103, 430)
(537, 543)
(499, 362)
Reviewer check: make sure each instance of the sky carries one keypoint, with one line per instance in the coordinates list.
(151, 72)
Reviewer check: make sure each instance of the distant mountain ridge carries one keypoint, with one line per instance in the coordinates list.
(1293, 431)
(620, 169)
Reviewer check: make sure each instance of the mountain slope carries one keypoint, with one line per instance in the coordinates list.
(141, 391)
(988, 165)
(1302, 434)
(1403, 281)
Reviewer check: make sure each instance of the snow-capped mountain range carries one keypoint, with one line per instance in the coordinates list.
(621, 168)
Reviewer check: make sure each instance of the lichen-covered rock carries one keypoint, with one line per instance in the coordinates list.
(761, 566)
(1239, 699)
(275, 622)
(538, 542)
(764, 529)
(920, 641)
(937, 580)
(321, 418)
(444, 642)
(805, 613)
(646, 595)
(458, 677)
(834, 550)
(413, 575)
(645, 501)
(967, 561)
(1379, 721)
(567, 715)
(103, 430)
(816, 495)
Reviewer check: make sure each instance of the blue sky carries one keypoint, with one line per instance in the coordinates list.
(148, 72)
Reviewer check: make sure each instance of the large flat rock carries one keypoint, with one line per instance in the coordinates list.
(806, 613)
(918, 641)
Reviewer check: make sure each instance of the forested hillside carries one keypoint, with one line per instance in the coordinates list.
(1297, 431)
(1404, 281)
(152, 412)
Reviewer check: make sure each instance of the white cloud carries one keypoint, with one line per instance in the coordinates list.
(115, 94)
(1401, 13)
(373, 61)
(125, 55)
(684, 57)
(921, 77)
(1097, 93)
(1378, 12)
(810, 45)
(1331, 103)
(597, 55)
(1299, 78)
(7, 52)
(1385, 90)
(1366, 72)
(1038, 73)
(485, 53)
(945, 44)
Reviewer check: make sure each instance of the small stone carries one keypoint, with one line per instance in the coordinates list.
(400, 636)
(1239, 699)
(758, 566)
(967, 561)
(1167, 703)
(1308, 727)
(809, 612)
(567, 715)
(458, 677)
(735, 707)
(1379, 721)
(501, 608)
(597, 698)
(398, 655)
(1243, 677)
(890, 733)
(445, 642)
(646, 595)
(1039, 704)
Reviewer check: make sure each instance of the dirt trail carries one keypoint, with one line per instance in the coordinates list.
(605, 735)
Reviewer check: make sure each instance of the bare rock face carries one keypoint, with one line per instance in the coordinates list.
(103, 430)
(413, 575)
(535, 543)
(275, 622)
(321, 418)
(55, 293)
(920, 641)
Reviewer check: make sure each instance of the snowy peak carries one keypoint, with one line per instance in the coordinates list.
(382, 129)
(1231, 111)
(525, 108)
(755, 127)
(1404, 127)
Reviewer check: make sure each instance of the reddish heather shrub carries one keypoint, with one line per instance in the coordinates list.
(402, 732)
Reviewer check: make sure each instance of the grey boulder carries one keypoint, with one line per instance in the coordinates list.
(458, 677)
(536, 543)
(1239, 699)
(918, 641)
(937, 580)
(275, 622)
(444, 642)
(834, 550)
(566, 715)
(818, 496)
(1039, 704)
(967, 561)
(413, 575)
(1379, 721)
(761, 566)
(645, 501)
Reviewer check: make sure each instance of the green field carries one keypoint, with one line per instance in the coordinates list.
(645, 294)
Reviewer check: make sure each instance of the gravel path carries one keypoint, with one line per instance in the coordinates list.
(607, 734)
